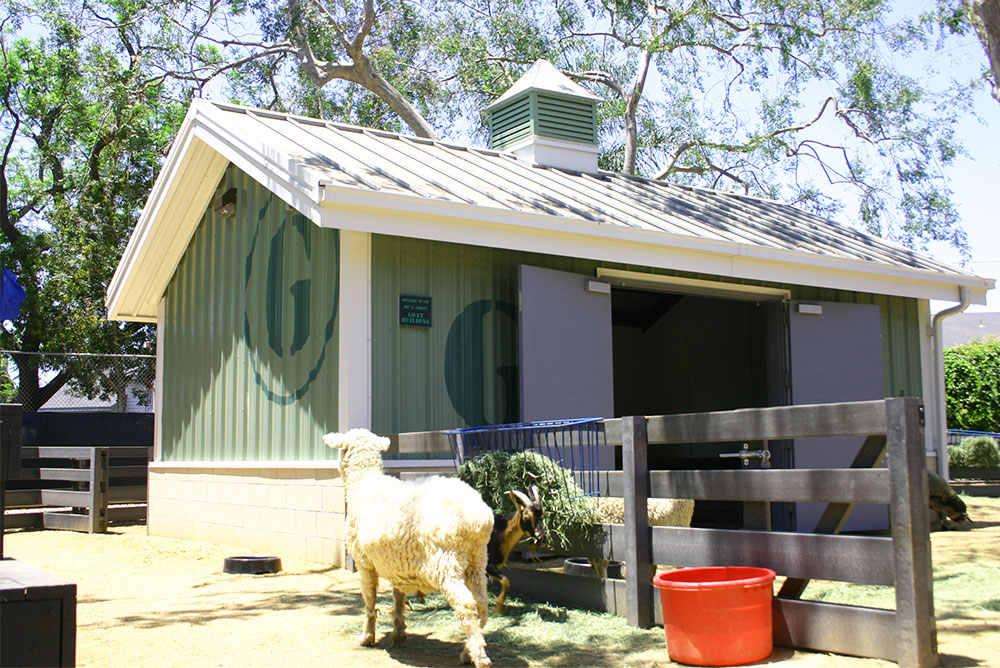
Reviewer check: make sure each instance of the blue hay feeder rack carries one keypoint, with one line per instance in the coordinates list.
(572, 444)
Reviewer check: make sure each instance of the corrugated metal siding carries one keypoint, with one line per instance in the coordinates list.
(457, 372)
(250, 337)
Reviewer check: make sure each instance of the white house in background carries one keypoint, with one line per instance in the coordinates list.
(968, 327)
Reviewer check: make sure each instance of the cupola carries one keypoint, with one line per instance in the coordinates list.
(547, 118)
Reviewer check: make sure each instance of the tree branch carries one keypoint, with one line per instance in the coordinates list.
(360, 71)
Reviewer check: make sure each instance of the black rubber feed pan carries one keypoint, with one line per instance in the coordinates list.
(580, 566)
(252, 565)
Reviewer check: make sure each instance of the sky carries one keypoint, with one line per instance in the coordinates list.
(975, 180)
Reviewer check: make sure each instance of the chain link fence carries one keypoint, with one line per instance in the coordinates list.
(78, 381)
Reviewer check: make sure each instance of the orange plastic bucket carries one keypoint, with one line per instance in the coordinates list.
(717, 616)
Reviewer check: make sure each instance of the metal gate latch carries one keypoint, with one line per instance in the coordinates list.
(746, 454)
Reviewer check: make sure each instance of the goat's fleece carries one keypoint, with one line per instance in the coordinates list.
(660, 512)
(422, 536)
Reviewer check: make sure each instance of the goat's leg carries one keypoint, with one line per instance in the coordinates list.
(600, 567)
(398, 619)
(504, 586)
(369, 592)
(464, 604)
(475, 578)
(494, 572)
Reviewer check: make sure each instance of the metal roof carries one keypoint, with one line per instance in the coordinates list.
(313, 162)
(386, 162)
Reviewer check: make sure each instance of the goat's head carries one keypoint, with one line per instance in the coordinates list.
(954, 508)
(360, 453)
(529, 512)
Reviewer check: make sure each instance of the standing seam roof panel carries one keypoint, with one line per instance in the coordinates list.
(391, 163)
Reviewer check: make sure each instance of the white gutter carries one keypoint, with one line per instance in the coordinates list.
(937, 403)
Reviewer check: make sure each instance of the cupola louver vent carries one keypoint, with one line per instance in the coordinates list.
(547, 118)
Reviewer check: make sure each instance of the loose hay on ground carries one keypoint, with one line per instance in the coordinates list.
(146, 600)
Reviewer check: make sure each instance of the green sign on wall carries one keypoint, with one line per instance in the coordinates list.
(414, 311)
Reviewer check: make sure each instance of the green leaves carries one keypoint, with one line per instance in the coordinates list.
(972, 385)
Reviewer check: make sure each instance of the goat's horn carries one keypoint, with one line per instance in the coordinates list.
(519, 498)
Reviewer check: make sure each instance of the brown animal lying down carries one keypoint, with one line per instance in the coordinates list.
(945, 502)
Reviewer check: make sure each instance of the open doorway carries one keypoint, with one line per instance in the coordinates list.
(679, 353)
(631, 343)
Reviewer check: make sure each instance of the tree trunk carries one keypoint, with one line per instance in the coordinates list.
(986, 17)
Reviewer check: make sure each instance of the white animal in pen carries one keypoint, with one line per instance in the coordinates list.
(421, 536)
(659, 512)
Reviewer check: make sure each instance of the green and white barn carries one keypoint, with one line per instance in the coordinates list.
(307, 276)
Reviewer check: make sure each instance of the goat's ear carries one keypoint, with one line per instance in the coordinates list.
(334, 440)
(519, 499)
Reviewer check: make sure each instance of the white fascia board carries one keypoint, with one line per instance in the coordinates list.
(177, 202)
(165, 182)
(411, 216)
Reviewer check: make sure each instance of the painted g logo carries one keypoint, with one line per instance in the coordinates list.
(285, 353)
(465, 362)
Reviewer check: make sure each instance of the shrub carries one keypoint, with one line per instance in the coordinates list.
(567, 511)
(975, 451)
(972, 385)
(8, 393)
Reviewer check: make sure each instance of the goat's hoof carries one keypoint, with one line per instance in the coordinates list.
(366, 639)
(479, 660)
(398, 637)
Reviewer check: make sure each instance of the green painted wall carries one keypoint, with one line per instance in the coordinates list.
(250, 336)
(461, 370)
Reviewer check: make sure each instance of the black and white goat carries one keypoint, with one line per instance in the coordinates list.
(508, 530)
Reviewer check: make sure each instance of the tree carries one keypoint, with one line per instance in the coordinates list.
(798, 100)
(792, 99)
(972, 385)
(985, 17)
(86, 119)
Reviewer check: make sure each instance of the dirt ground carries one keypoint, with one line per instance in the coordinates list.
(152, 601)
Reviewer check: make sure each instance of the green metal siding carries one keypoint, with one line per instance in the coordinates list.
(460, 371)
(250, 336)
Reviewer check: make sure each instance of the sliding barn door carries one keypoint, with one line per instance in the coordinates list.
(836, 355)
(564, 328)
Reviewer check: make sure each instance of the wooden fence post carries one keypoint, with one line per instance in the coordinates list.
(635, 473)
(98, 480)
(911, 544)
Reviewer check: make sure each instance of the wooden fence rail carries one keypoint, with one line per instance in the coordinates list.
(98, 484)
(893, 426)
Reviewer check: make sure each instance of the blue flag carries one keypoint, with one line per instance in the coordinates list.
(11, 295)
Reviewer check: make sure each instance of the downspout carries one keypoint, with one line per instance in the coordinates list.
(938, 398)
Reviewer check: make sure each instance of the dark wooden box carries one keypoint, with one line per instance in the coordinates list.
(10, 441)
(37, 617)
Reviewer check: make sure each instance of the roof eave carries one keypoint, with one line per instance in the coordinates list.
(449, 221)
(194, 165)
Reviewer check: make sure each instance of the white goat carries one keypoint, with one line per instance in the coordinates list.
(659, 512)
(421, 536)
